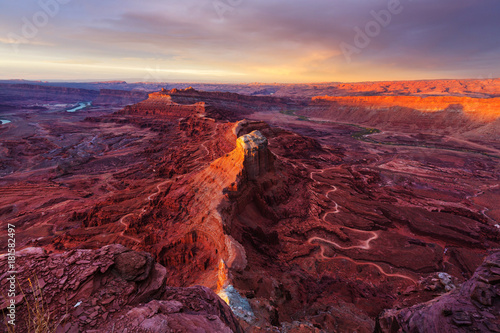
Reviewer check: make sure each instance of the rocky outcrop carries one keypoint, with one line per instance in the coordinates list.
(204, 205)
(112, 289)
(222, 190)
(190, 95)
(159, 104)
(217, 105)
(257, 159)
(472, 308)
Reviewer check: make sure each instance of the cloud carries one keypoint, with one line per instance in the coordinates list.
(277, 40)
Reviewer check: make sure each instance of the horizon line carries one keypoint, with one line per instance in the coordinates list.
(131, 81)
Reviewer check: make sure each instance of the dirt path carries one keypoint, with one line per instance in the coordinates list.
(149, 198)
(364, 245)
(158, 189)
(378, 267)
(122, 234)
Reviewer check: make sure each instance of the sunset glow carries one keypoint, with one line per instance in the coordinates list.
(248, 41)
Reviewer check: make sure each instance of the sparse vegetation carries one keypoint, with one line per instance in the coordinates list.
(288, 112)
(39, 319)
(292, 113)
(364, 131)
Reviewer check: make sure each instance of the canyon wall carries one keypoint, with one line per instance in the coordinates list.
(121, 97)
(478, 109)
(26, 93)
(441, 115)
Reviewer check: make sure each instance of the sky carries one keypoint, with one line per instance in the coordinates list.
(281, 41)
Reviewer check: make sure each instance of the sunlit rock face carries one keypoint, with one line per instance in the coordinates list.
(217, 194)
(257, 159)
(475, 108)
(476, 118)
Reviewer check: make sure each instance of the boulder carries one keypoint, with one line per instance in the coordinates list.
(112, 289)
(474, 307)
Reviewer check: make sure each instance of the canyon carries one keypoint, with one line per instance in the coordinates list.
(256, 208)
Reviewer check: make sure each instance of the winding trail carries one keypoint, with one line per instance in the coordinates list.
(158, 190)
(206, 149)
(122, 234)
(334, 188)
(485, 209)
(203, 144)
(149, 198)
(380, 269)
(365, 245)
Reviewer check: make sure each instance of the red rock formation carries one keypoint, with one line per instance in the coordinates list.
(257, 159)
(214, 104)
(479, 109)
(314, 227)
(111, 289)
(475, 118)
(474, 307)
(479, 88)
(162, 105)
(190, 95)
(220, 190)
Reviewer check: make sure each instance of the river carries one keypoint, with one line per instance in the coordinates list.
(80, 106)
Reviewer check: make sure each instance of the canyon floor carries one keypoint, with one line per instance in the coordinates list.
(302, 213)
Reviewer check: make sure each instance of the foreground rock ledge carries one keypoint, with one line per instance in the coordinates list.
(113, 289)
(475, 307)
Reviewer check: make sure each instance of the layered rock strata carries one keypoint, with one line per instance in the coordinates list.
(482, 109)
(112, 289)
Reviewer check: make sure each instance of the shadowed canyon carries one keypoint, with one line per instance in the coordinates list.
(370, 207)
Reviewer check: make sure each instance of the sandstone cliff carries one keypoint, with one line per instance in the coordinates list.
(202, 205)
(480, 109)
(222, 190)
(434, 114)
(472, 88)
